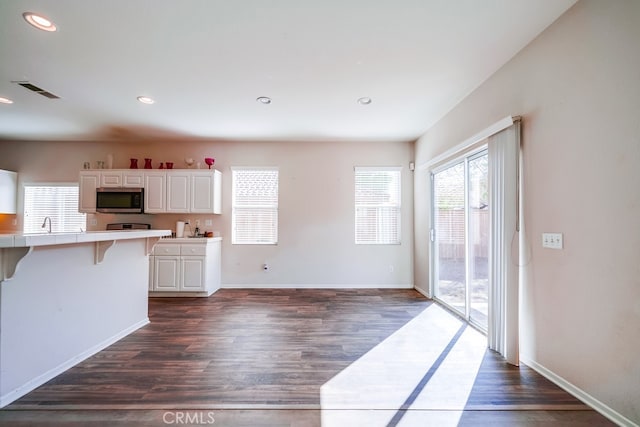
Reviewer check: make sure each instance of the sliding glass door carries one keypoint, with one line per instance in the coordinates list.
(460, 237)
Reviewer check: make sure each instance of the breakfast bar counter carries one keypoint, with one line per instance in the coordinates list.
(66, 296)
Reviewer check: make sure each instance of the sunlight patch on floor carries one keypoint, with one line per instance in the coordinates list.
(372, 389)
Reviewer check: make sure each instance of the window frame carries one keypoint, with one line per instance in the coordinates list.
(56, 225)
(234, 206)
(397, 206)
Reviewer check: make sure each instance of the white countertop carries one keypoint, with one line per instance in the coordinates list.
(22, 240)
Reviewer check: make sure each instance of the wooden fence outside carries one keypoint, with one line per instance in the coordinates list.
(450, 232)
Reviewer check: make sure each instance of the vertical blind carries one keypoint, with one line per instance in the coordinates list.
(377, 204)
(58, 202)
(504, 248)
(255, 206)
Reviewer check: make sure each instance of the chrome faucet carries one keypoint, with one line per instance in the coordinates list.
(44, 224)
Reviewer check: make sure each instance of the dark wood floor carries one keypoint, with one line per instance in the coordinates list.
(259, 357)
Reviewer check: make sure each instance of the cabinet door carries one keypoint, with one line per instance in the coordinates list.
(166, 273)
(206, 194)
(154, 192)
(110, 178)
(8, 192)
(193, 273)
(202, 192)
(178, 195)
(133, 179)
(89, 181)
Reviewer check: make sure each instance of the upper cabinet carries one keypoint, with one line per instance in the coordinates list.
(206, 191)
(155, 189)
(124, 178)
(178, 191)
(168, 191)
(8, 192)
(89, 182)
(196, 191)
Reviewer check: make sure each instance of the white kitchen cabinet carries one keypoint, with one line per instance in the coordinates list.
(89, 181)
(166, 273)
(185, 267)
(193, 273)
(155, 188)
(121, 178)
(8, 192)
(133, 179)
(206, 192)
(178, 191)
(165, 191)
(110, 178)
(196, 191)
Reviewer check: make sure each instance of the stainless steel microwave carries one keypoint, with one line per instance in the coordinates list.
(120, 200)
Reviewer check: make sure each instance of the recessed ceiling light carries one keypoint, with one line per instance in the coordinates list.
(39, 21)
(146, 100)
(264, 100)
(4, 100)
(364, 100)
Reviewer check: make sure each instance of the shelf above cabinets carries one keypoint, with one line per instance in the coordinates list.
(170, 191)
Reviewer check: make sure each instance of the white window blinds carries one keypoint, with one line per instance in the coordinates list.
(58, 202)
(255, 206)
(377, 205)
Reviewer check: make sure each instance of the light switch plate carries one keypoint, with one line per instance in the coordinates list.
(552, 240)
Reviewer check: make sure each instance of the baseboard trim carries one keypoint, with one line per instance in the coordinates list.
(315, 286)
(54, 372)
(422, 291)
(578, 393)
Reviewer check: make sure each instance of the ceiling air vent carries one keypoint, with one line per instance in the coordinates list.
(37, 90)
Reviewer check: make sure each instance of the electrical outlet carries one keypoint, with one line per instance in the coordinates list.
(208, 223)
(93, 222)
(552, 240)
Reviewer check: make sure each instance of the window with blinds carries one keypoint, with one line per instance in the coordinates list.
(58, 202)
(377, 205)
(255, 206)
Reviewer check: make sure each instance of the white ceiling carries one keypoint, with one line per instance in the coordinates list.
(206, 61)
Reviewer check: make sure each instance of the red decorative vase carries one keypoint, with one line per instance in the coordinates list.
(147, 164)
(133, 164)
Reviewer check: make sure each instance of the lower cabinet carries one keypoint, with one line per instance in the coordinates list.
(185, 267)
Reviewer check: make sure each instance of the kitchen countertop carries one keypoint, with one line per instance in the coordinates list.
(21, 240)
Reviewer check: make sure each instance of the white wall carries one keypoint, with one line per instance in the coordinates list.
(316, 228)
(577, 87)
